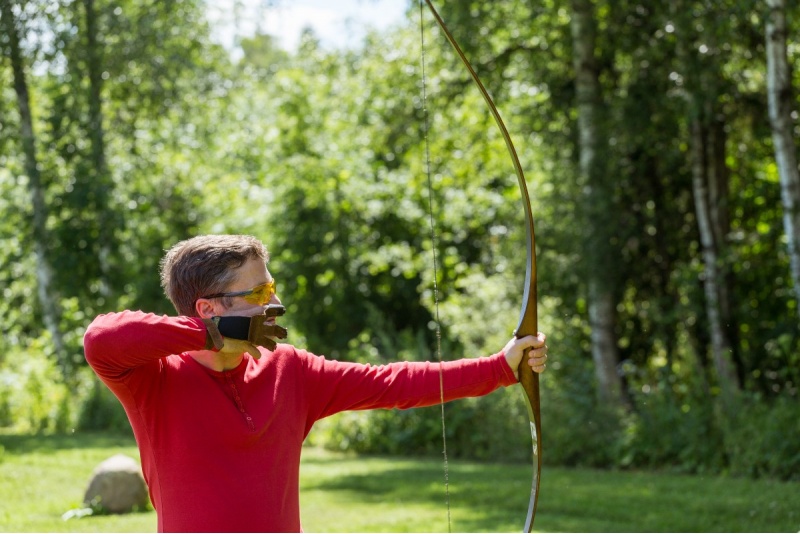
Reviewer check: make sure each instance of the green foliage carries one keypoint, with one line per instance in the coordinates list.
(323, 154)
(101, 411)
(762, 439)
(410, 432)
(577, 431)
(491, 429)
(33, 397)
(673, 433)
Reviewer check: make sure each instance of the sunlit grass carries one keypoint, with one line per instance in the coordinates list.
(43, 477)
(342, 493)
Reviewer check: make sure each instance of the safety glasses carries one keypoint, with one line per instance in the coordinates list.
(259, 295)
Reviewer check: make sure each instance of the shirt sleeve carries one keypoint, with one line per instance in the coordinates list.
(117, 343)
(338, 386)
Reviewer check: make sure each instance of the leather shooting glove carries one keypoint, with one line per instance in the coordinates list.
(262, 333)
(246, 332)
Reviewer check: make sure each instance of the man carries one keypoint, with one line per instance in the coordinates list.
(220, 421)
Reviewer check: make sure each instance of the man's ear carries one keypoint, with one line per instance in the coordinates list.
(205, 308)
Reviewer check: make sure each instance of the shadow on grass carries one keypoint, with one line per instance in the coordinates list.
(489, 497)
(483, 497)
(27, 443)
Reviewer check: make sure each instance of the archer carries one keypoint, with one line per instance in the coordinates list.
(220, 410)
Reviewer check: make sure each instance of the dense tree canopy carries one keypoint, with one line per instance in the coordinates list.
(645, 132)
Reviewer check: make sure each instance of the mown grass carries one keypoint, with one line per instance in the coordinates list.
(41, 477)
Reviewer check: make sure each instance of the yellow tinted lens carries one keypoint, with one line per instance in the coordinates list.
(261, 294)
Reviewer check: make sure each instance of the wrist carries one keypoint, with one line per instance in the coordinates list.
(214, 339)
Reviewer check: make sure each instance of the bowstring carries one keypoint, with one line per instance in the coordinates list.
(426, 128)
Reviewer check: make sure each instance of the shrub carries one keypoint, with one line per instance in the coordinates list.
(577, 430)
(762, 439)
(492, 428)
(33, 397)
(676, 432)
(102, 411)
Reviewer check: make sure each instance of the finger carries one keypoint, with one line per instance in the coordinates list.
(537, 359)
(274, 310)
(253, 351)
(268, 343)
(539, 351)
(534, 364)
(535, 342)
(275, 330)
(266, 333)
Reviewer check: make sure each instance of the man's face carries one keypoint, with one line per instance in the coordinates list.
(250, 275)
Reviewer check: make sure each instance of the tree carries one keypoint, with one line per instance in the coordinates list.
(101, 185)
(596, 204)
(781, 107)
(12, 16)
(698, 58)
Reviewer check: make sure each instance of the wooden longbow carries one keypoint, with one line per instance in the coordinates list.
(527, 317)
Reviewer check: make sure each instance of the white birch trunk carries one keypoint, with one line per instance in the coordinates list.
(779, 96)
(710, 191)
(711, 226)
(44, 275)
(602, 306)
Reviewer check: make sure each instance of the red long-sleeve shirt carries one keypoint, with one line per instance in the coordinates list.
(220, 451)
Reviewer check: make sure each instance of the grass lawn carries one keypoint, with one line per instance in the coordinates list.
(41, 477)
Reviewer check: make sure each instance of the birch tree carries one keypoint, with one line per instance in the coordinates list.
(595, 202)
(12, 23)
(781, 106)
(710, 176)
(101, 181)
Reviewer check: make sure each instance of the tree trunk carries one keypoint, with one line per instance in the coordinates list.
(602, 305)
(781, 105)
(48, 300)
(710, 191)
(710, 188)
(101, 183)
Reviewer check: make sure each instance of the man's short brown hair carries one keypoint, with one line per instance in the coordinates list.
(204, 265)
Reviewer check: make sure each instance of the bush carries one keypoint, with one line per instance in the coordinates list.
(492, 428)
(762, 439)
(671, 431)
(577, 430)
(33, 396)
(102, 411)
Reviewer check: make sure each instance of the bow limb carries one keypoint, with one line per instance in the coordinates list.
(527, 318)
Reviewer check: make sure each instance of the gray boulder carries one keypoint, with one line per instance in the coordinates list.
(117, 486)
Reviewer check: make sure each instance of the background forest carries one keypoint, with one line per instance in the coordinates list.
(659, 144)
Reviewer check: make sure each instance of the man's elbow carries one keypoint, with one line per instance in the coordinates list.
(96, 341)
